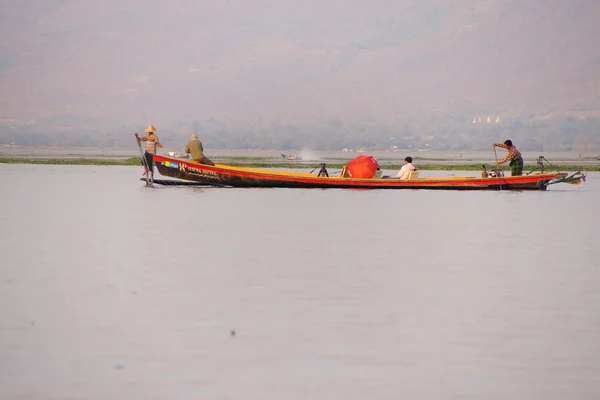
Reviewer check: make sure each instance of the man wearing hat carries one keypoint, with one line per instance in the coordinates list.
(152, 142)
(195, 149)
(514, 155)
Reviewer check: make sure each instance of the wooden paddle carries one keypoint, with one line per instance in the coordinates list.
(144, 163)
(497, 170)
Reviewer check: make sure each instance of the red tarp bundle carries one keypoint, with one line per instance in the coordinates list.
(363, 167)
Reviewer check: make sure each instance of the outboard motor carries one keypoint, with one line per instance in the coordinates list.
(491, 174)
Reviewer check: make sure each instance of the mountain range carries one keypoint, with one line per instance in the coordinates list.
(68, 65)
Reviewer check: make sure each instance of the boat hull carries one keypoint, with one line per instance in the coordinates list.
(223, 175)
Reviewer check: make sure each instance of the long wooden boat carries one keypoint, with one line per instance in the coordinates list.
(224, 175)
(290, 157)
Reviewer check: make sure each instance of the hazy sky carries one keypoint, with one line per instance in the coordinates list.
(265, 60)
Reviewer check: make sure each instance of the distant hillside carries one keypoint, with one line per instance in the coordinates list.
(82, 65)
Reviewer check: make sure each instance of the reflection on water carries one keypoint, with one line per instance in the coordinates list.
(109, 289)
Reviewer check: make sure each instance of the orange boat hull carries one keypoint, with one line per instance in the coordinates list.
(224, 175)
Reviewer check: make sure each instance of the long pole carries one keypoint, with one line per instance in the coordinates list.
(497, 170)
(144, 163)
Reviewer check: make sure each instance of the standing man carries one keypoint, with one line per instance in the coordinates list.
(516, 160)
(406, 169)
(152, 142)
(195, 149)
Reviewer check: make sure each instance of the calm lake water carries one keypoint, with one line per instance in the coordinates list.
(111, 290)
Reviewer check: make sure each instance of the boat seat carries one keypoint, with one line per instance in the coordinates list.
(413, 175)
(344, 173)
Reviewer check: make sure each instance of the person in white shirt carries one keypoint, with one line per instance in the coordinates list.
(406, 168)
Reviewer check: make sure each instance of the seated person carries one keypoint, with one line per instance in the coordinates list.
(195, 149)
(406, 169)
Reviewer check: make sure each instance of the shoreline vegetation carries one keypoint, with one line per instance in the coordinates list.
(258, 162)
